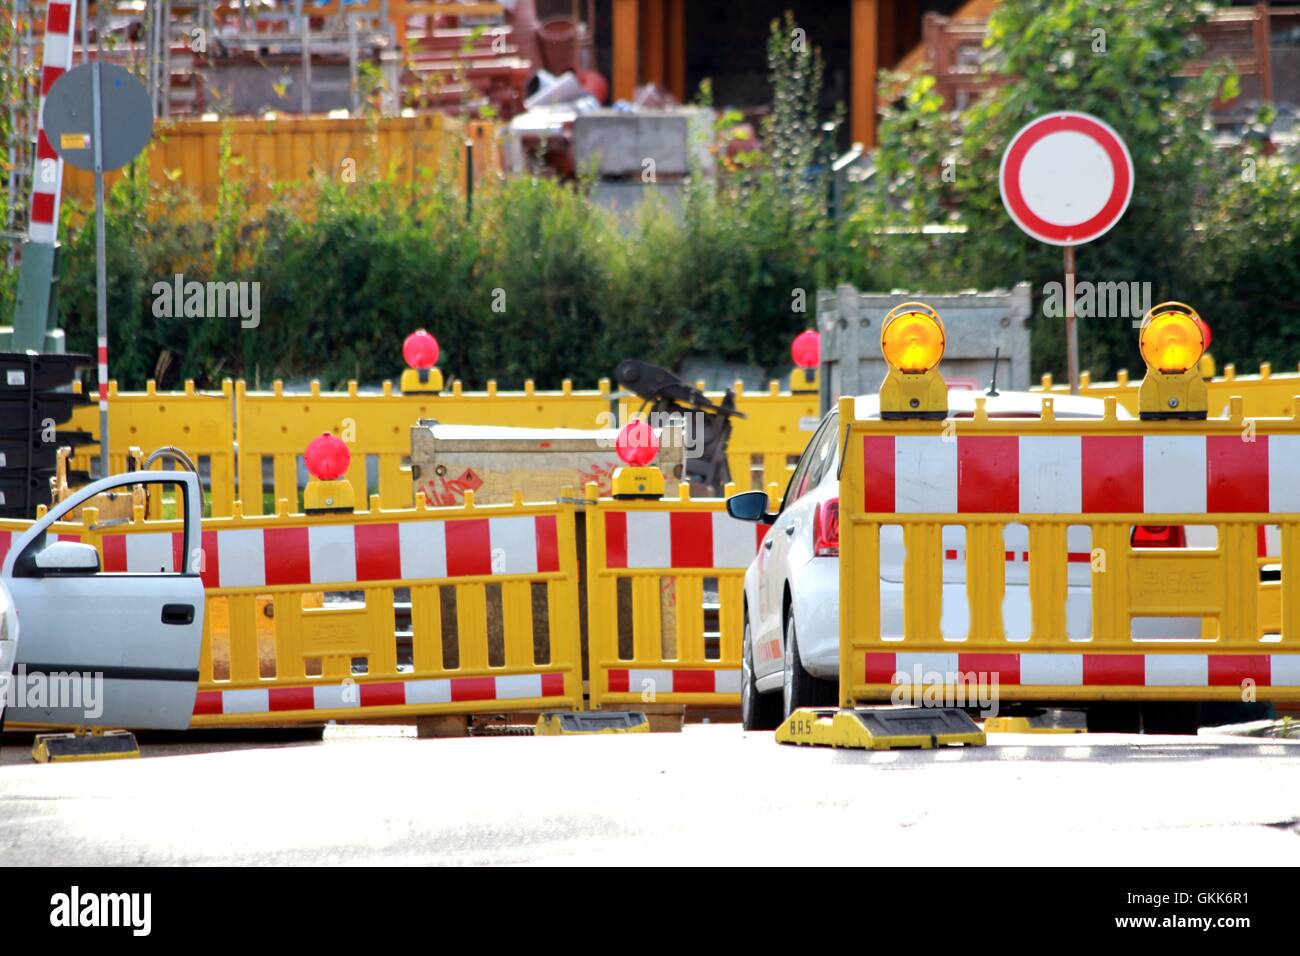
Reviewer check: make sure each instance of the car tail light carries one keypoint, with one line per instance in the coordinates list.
(826, 528)
(1159, 536)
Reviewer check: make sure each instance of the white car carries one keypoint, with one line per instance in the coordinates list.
(104, 647)
(790, 658)
(8, 644)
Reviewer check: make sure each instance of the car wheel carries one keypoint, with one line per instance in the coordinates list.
(1114, 717)
(798, 687)
(757, 711)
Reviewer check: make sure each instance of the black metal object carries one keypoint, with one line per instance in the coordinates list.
(30, 405)
(706, 425)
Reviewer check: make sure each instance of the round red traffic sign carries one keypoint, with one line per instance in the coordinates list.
(1066, 178)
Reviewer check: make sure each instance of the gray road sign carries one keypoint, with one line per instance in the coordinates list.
(127, 116)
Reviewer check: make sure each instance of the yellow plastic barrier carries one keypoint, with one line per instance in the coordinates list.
(1156, 623)
(665, 600)
(199, 423)
(1265, 395)
(302, 619)
(766, 444)
(272, 428)
(279, 424)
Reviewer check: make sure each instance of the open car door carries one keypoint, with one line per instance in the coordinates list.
(109, 648)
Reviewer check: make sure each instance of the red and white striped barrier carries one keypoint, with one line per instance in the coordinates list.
(47, 179)
(645, 681)
(679, 539)
(1071, 474)
(1268, 541)
(1084, 670)
(416, 549)
(7, 540)
(370, 694)
(1017, 557)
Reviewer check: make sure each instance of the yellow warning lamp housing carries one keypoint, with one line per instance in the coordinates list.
(420, 380)
(912, 340)
(1172, 342)
(637, 481)
(638, 477)
(328, 497)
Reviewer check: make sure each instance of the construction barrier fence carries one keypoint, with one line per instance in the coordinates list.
(381, 613)
(248, 444)
(665, 600)
(931, 514)
(393, 613)
(202, 424)
(277, 425)
(1266, 394)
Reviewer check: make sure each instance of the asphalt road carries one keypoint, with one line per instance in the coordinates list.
(711, 794)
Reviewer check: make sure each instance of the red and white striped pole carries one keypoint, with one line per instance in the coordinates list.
(47, 181)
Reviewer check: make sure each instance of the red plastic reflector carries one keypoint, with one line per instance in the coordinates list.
(826, 528)
(1159, 536)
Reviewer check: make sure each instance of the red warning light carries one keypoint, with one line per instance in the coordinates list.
(637, 444)
(806, 349)
(327, 457)
(420, 350)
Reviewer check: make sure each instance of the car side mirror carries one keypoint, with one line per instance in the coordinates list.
(750, 506)
(68, 557)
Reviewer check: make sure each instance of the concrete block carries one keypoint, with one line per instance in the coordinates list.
(978, 324)
(620, 143)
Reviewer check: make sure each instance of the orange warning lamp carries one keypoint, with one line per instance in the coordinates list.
(327, 459)
(420, 351)
(637, 446)
(912, 340)
(1172, 341)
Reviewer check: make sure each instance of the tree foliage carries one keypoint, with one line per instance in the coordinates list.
(1204, 221)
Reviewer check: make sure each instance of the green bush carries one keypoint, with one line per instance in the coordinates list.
(1196, 229)
(536, 283)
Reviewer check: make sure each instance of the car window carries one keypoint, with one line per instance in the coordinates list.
(157, 551)
(802, 480)
(826, 453)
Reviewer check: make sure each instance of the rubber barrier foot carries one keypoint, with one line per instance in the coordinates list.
(65, 748)
(881, 728)
(558, 724)
(1048, 722)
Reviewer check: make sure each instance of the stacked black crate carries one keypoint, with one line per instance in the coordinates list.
(36, 402)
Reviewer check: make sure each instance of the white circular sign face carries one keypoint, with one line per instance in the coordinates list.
(1066, 178)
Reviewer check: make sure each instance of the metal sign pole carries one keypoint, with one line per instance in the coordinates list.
(1071, 326)
(74, 113)
(101, 279)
